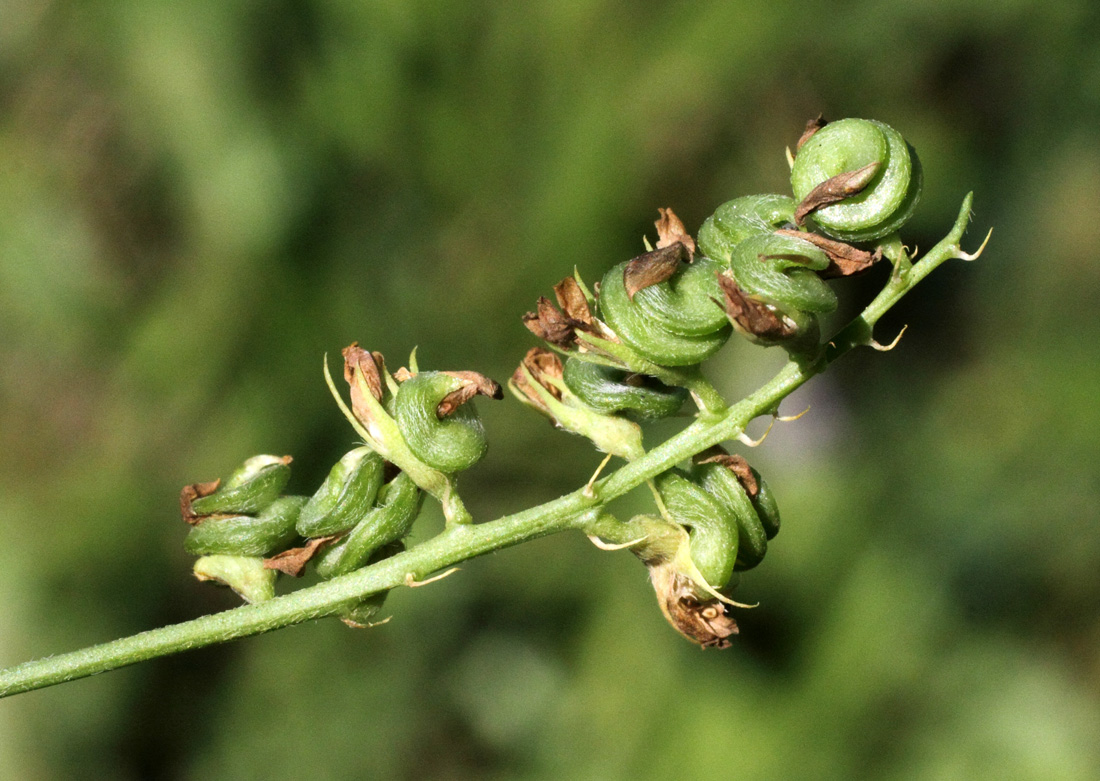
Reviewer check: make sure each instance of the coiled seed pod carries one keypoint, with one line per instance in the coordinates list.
(672, 323)
(448, 438)
(346, 495)
(398, 505)
(779, 270)
(611, 391)
(246, 535)
(859, 179)
(753, 507)
(250, 488)
(771, 290)
(736, 220)
(712, 527)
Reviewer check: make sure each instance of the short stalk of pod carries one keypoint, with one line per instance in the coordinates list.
(249, 489)
(613, 391)
(247, 535)
(347, 494)
(858, 179)
(742, 491)
(672, 323)
(444, 436)
(398, 505)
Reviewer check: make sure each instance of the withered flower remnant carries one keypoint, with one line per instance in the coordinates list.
(559, 327)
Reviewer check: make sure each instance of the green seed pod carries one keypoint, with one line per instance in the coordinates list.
(346, 495)
(862, 207)
(249, 489)
(246, 575)
(779, 270)
(246, 535)
(712, 528)
(450, 443)
(672, 323)
(737, 220)
(613, 391)
(398, 505)
(757, 516)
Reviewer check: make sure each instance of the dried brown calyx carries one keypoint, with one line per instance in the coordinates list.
(542, 365)
(836, 189)
(753, 317)
(703, 621)
(192, 492)
(812, 126)
(473, 384)
(674, 246)
(559, 327)
(844, 259)
(293, 561)
(736, 464)
(363, 372)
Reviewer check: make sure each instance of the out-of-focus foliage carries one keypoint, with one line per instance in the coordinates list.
(197, 200)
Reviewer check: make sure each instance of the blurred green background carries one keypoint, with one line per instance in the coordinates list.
(199, 200)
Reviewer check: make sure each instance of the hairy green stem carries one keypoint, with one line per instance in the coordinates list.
(460, 542)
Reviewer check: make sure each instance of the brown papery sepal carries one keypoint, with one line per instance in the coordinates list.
(670, 230)
(705, 623)
(736, 464)
(473, 384)
(653, 268)
(836, 189)
(293, 562)
(812, 126)
(752, 316)
(192, 492)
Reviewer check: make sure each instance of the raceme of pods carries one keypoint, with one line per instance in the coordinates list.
(857, 180)
(672, 323)
(611, 390)
(632, 353)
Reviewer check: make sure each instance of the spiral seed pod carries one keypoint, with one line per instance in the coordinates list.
(779, 270)
(439, 427)
(739, 488)
(399, 503)
(246, 535)
(712, 528)
(346, 495)
(249, 489)
(672, 323)
(737, 220)
(613, 391)
(858, 178)
(246, 575)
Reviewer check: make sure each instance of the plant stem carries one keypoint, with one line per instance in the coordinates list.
(460, 542)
